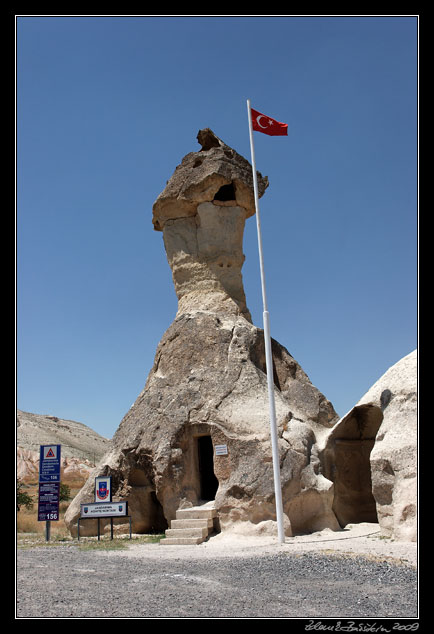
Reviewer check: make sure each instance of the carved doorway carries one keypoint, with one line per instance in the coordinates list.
(208, 481)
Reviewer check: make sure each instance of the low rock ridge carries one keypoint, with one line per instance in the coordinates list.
(82, 447)
(28, 465)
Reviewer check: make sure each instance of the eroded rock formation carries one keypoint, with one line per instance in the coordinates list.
(216, 173)
(207, 389)
(371, 455)
(202, 212)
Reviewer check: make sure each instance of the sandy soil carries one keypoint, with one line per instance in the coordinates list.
(359, 539)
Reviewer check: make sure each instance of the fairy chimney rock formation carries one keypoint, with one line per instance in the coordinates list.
(216, 173)
(208, 385)
(201, 213)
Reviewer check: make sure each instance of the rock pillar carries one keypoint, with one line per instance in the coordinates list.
(209, 378)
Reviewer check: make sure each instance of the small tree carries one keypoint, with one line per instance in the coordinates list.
(23, 498)
(65, 492)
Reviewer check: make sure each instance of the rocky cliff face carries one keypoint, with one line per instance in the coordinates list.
(199, 430)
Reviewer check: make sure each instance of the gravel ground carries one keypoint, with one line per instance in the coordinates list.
(352, 574)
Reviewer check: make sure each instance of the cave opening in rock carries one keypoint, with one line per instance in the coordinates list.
(226, 192)
(208, 481)
(353, 499)
(149, 514)
(351, 471)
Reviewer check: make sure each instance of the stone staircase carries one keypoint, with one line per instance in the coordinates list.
(191, 526)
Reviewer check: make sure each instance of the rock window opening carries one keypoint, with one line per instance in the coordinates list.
(208, 481)
(354, 500)
(226, 192)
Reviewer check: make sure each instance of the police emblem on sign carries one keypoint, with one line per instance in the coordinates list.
(103, 486)
(102, 491)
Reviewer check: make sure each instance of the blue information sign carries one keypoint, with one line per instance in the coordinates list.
(49, 463)
(48, 503)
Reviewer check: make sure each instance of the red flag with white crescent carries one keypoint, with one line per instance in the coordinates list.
(267, 125)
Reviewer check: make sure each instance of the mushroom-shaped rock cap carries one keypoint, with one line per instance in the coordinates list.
(216, 173)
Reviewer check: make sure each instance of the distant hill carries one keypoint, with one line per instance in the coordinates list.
(80, 444)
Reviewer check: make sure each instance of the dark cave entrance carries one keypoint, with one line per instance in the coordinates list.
(208, 481)
(348, 464)
(353, 500)
(225, 193)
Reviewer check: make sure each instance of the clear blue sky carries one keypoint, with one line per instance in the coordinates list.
(106, 109)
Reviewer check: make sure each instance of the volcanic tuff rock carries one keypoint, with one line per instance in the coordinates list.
(394, 457)
(202, 212)
(208, 381)
(371, 455)
(216, 173)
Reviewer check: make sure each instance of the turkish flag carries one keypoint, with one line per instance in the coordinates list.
(267, 125)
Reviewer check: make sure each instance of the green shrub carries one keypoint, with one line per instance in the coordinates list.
(23, 498)
(65, 492)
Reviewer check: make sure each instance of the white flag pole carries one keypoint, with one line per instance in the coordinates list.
(268, 355)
